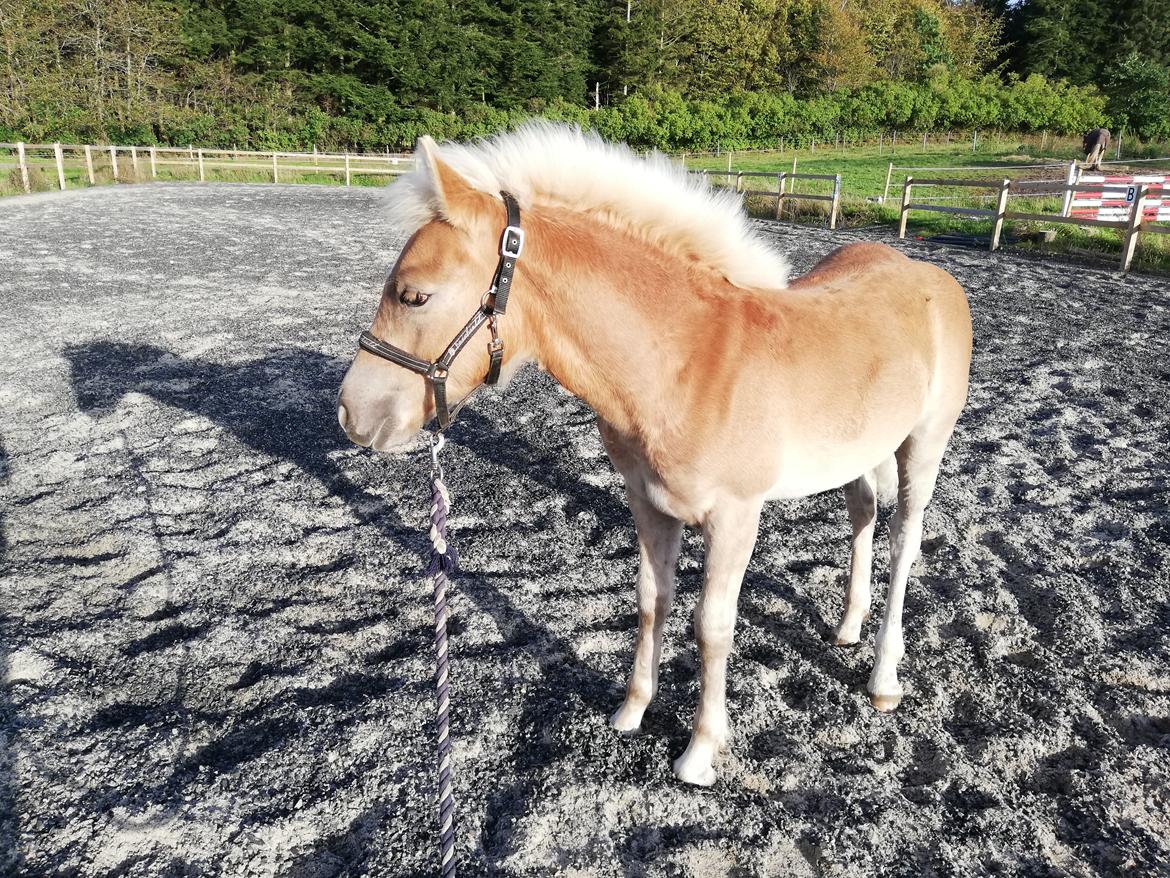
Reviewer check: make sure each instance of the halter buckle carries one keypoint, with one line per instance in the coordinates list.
(512, 233)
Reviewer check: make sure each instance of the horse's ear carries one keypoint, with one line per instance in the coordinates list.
(457, 198)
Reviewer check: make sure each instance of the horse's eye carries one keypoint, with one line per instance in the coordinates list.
(413, 298)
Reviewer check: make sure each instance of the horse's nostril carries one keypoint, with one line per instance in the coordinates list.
(342, 416)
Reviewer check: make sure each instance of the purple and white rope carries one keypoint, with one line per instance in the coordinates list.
(443, 562)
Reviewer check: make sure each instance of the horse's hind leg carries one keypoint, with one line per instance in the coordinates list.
(861, 501)
(918, 460)
(659, 538)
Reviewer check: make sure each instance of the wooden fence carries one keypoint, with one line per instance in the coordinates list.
(134, 163)
(1132, 227)
(784, 191)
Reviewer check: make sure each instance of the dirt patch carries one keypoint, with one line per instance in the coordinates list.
(215, 650)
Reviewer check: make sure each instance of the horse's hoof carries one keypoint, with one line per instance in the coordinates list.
(626, 719)
(885, 703)
(849, 634)
(697, 774)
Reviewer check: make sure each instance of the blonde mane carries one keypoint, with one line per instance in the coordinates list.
(650, 197)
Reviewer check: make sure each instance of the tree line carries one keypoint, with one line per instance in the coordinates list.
(673, 74)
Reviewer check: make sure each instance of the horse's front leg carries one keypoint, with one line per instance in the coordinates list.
(659, 538)
(730, 535)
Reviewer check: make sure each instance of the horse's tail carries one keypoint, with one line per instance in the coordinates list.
(885, 480)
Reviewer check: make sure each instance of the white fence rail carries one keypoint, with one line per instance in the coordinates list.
(784, 191)
(135, 163)
(1132, 227)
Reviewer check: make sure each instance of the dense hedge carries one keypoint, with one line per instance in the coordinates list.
(660, 119)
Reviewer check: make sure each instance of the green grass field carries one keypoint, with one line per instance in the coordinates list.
(863, 170)
(863, 177)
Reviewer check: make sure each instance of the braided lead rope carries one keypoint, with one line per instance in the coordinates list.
(443, 561)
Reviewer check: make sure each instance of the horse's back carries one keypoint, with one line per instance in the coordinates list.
(886, 330)
(850, 258)
(870, 263)
(871, 281)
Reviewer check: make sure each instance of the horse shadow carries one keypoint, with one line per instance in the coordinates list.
(237, 398)
(10, 857)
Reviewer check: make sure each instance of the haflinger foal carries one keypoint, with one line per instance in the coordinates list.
(717, 383)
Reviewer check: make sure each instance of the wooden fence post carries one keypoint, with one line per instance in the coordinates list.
(905, 206)
(153, 166)
(20, 159)
(89, 165)
(886, 191)
(275, 177)
(60, 158)
(202, 178)
(1000, 210)
(779, 193)
(114, 161)
(346, 166)
(836, 201)
(739, 181)
(1066, 204)
(975, 140)
(134, 161)
(1133, 227)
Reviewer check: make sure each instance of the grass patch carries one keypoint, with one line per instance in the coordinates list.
(863, 170)
(863, 176)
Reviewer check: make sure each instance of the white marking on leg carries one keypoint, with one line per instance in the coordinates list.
(861, 502)
(659, 538)
(730, 534)
(905, 539)
(918, 462)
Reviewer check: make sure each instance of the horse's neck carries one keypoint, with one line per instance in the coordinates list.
(611, 320)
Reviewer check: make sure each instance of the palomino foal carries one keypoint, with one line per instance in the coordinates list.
(717, 385)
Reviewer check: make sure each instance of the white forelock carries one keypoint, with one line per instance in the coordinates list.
(546, 164)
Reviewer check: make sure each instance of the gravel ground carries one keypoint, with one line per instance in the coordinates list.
(215, 647)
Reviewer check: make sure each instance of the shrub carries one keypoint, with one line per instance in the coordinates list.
(655, 118)
(1139, 96)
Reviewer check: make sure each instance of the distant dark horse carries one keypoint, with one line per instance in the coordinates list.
(1094, 144)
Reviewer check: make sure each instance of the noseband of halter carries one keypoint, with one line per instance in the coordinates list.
(492, 307)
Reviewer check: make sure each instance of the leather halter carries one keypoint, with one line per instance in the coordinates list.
(492, 306)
